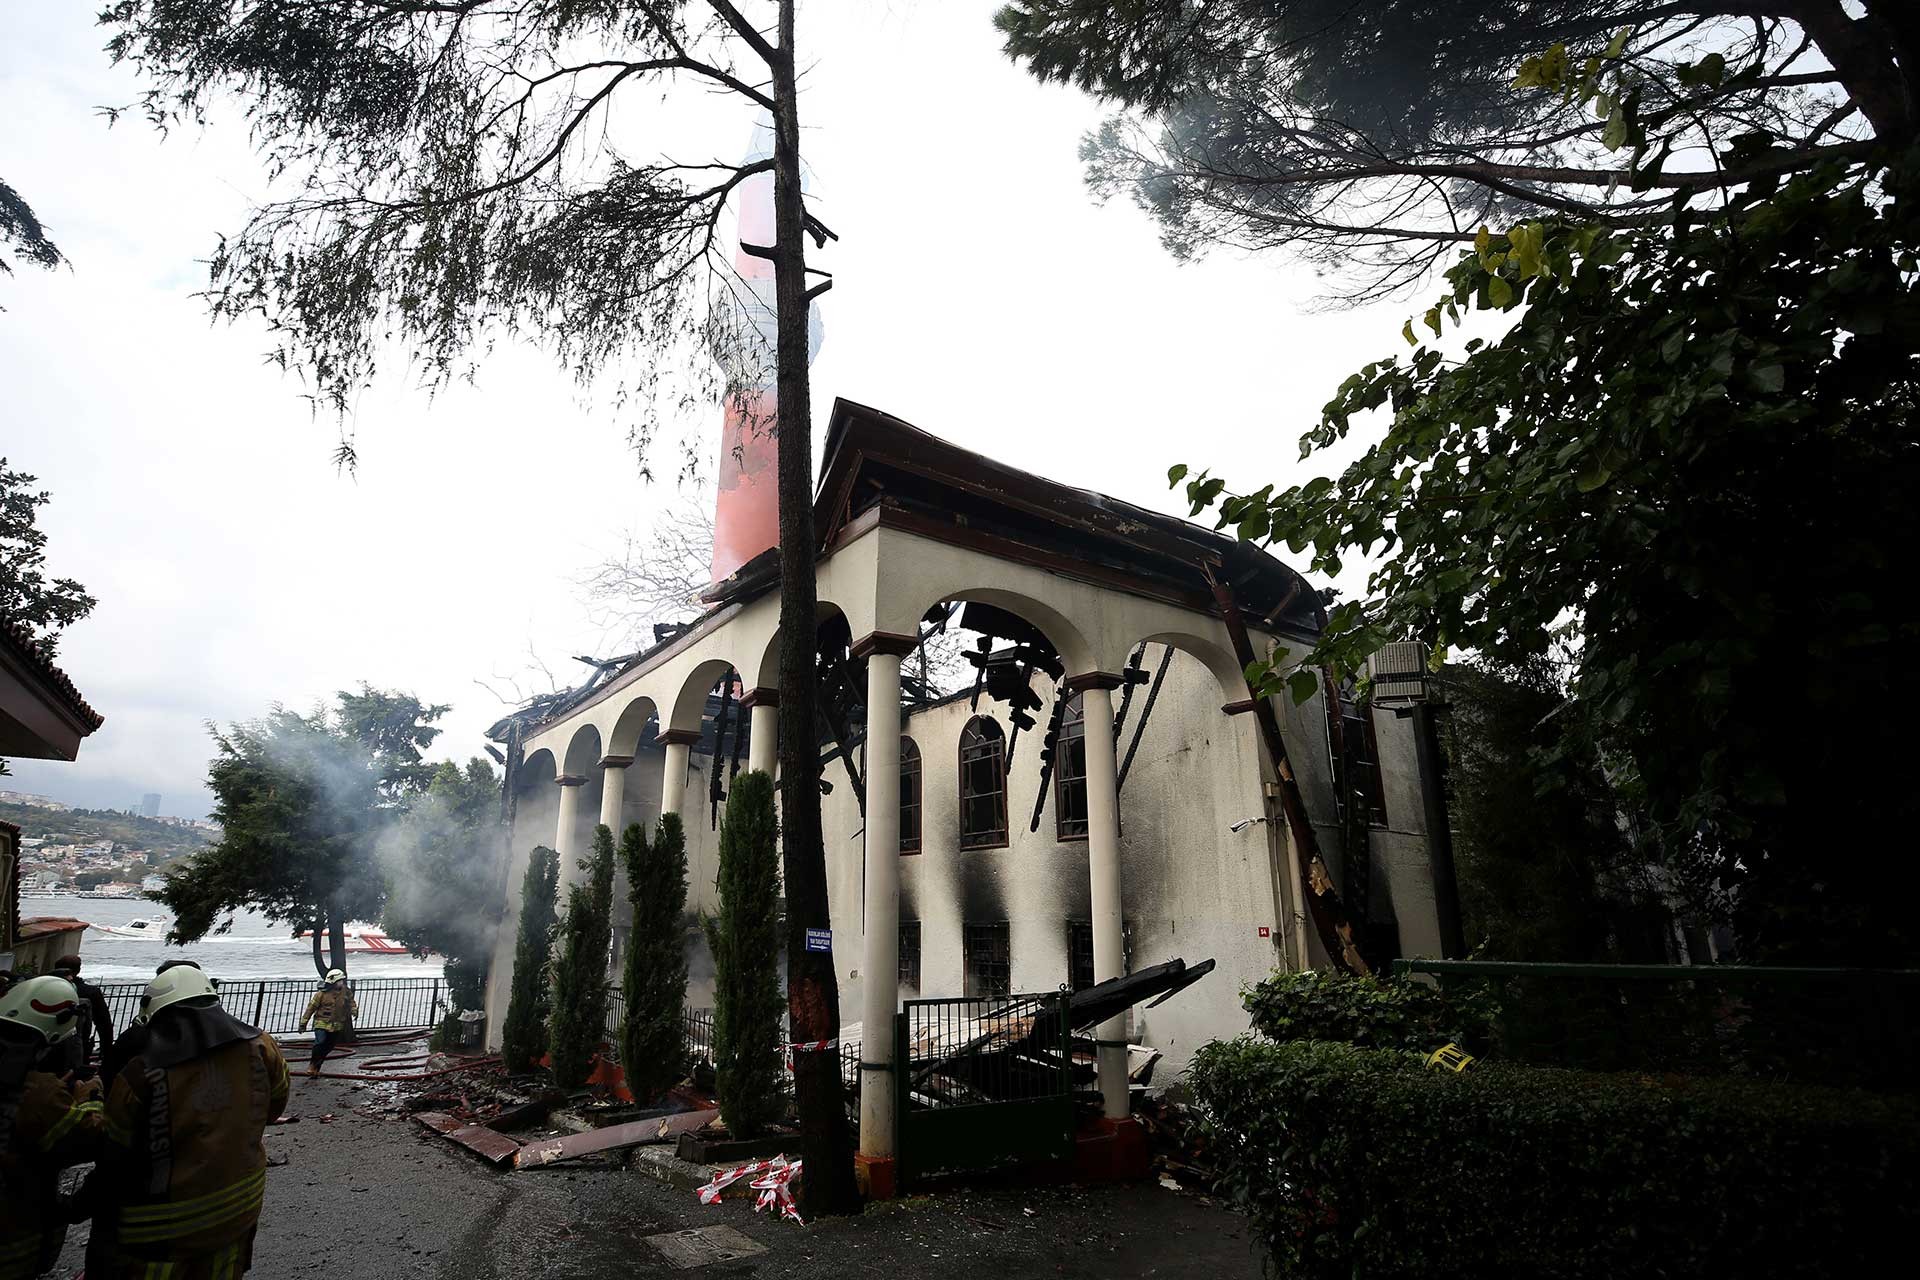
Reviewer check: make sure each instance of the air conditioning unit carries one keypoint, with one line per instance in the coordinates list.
(1399, 673)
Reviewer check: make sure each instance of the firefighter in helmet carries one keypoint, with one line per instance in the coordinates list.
(331, 1011)
(186, 1170)
(45, 1124)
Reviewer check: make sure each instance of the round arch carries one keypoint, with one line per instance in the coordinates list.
(690, 704)
(768, 671)
(1212, 654)
(1079, 655)
(584, 753)
(536, 770)
(630, 730)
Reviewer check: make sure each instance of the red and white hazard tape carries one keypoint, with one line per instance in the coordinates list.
(808, 1046)
(773, 1185)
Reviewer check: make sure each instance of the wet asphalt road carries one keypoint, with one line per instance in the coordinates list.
(377, 1197)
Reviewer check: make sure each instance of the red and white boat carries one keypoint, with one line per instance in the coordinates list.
(367, 942)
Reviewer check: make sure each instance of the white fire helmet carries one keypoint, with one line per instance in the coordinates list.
(48, 1006)
(182, 982)
(336, 975)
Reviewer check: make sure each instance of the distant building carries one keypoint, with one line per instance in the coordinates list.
(150, 805)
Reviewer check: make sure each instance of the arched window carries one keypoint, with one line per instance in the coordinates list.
(983, 785)
(909, 796)
(1070, 773)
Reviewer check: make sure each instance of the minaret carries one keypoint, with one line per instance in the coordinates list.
(746, 518)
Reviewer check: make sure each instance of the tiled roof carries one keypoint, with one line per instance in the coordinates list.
(19, 641)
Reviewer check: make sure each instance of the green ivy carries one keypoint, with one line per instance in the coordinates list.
(1358, 1162)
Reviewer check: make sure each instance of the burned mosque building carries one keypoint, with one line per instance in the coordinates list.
(1096, 792)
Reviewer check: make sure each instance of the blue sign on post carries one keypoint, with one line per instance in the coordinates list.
(820, 940)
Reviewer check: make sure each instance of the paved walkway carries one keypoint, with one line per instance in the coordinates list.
(380, 1199)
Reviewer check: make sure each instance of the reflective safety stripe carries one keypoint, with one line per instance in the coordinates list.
(118, 1133)
(226, 1262)
(64, 1125)
(157, 1271)
(152, 1223)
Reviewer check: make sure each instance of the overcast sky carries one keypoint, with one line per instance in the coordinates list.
(979, 294)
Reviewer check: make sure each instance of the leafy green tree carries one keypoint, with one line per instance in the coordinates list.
(1547, 869)
(28, 598)
(443, 864)
(523, 1038)
(456, 172)
(1690, 459)
(653, 1041)
(1373, 137)
(578, 1024)
(304, 802)
(745, 941)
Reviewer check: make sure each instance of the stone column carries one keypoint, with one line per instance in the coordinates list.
(763, 729)
(613, 793)
(565, 842)
(1103, 871)
(880, 950)
(673, 780)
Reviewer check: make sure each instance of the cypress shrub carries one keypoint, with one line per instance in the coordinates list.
(1357, 1162)
(653, 1042)
(745, 940)
(523, 1038)
(579, 1022)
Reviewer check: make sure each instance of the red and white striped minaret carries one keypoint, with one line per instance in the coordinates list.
(746, 518)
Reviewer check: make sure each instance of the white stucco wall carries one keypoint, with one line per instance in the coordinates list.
(1190, 887)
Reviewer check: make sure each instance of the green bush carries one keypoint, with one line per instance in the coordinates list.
(1368, 1163)
(523, 1038)
(1369, 1013)
(579, 1022)
(745, 940)
(653, 1046)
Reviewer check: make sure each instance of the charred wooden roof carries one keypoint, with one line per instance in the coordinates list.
(878, 463)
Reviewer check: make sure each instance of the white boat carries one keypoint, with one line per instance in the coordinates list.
(138, 927)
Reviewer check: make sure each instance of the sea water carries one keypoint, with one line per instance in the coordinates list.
(253, 948)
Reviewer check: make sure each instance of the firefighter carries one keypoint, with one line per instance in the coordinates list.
(331, 1011)
(45, 1125)
(186, 1170)
(96, 1020)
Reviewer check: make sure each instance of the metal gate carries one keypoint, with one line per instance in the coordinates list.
(984, 1082)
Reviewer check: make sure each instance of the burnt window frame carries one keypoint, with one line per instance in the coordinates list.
(909, 970)
(1353, 715)
(1075, 717)
(1077, 930)
(911, 769)
(977, 938)
(1000, 837)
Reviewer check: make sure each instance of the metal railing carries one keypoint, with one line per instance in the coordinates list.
(1850, 1027)
(275, 1005)
(984, 1082)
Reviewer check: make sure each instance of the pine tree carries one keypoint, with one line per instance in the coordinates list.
(746, 941)
(524, 1036)
(653, 1044)
(579, 1021)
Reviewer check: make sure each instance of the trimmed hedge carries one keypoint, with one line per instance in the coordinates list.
(1359, 1162)
(1370, 1013)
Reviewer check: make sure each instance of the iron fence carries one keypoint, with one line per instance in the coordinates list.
(1848, 1027)
(984, 1082)
(275, 1005)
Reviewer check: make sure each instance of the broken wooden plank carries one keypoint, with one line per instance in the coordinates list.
(495, 1148)
(536, 1155)
(490, 1145)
